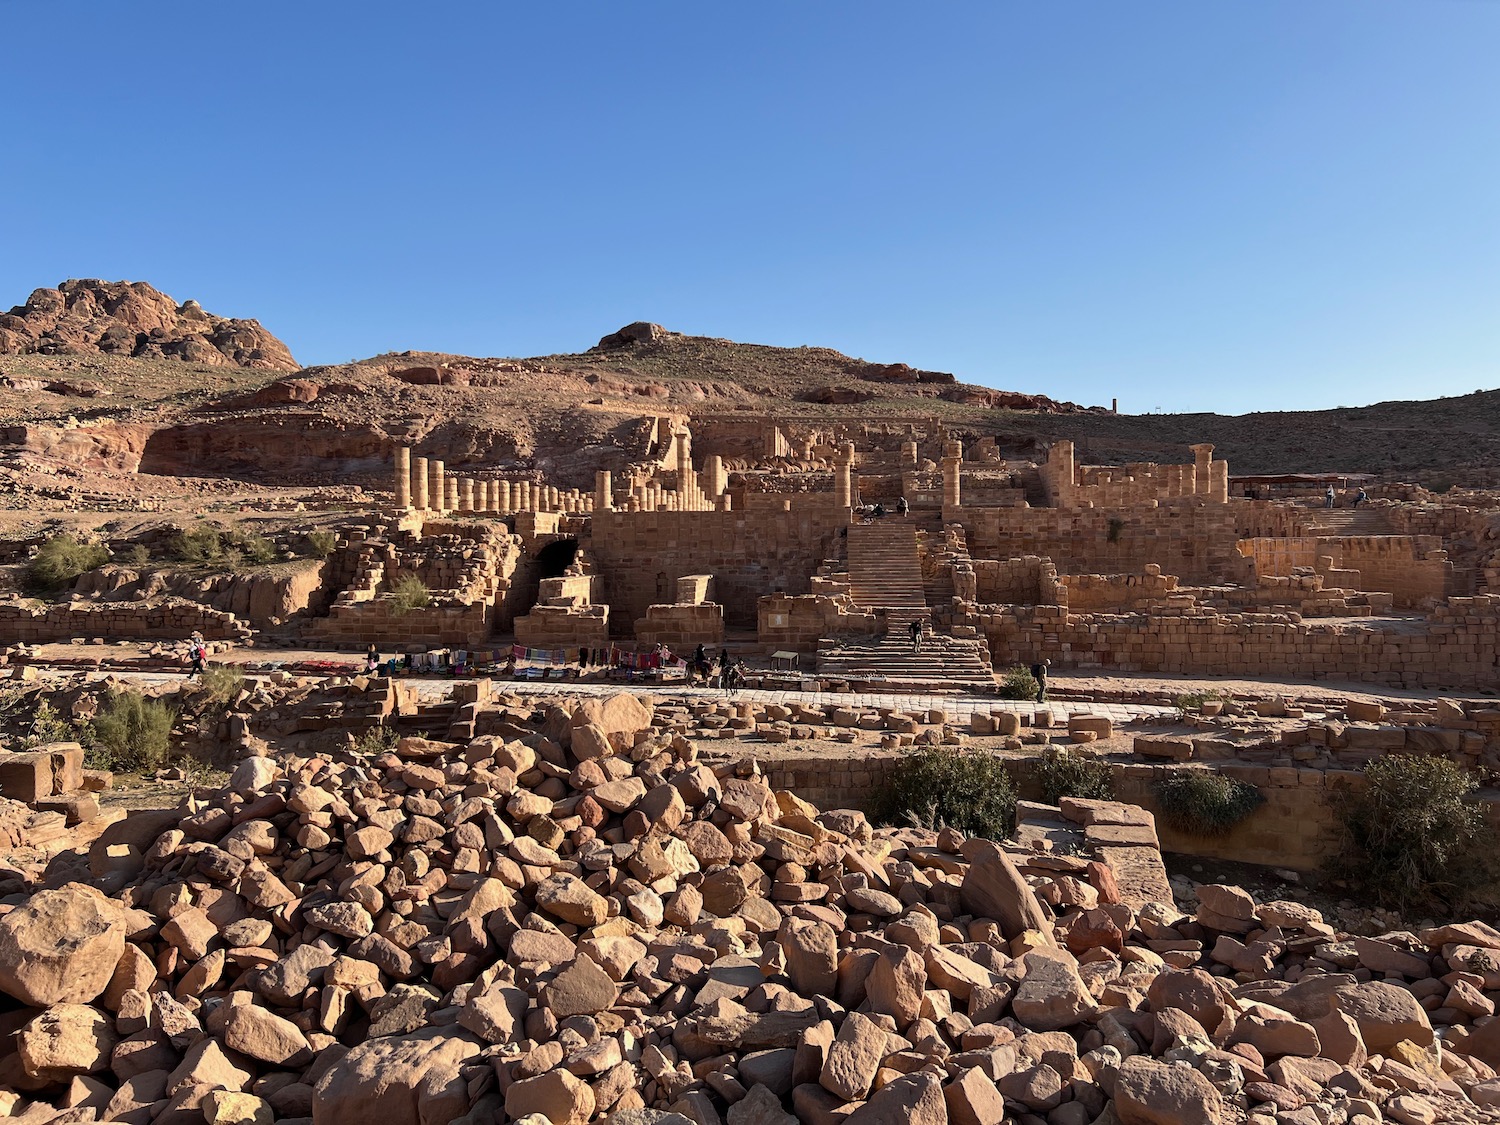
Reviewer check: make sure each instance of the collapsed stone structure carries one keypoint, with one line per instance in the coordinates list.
(579, 920)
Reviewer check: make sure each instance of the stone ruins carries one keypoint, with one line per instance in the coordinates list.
(1158, 568)
(510, 891)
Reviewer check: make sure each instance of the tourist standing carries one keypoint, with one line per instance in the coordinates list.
(915, 628)
(1329, 497)
(1039, 673)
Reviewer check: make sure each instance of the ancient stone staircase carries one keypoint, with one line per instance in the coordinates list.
(1340, 522)
(884, 570)
(890, 658)
(885, 573)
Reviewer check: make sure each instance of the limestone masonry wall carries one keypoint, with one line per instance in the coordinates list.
(1195, 542)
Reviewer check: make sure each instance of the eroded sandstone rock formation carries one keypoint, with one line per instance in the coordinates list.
(131, 318)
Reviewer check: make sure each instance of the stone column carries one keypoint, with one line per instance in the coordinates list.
(403, 477)
(843, 477)
(715, 479)
(684, 465)
(466, 495)
(953, 462)
(1203, 455)
(439, 485)
(420, 491)
(1060, 462)
(505, 504)
(909, 454)
(604, 499)
(1219, 482)
(452, 505)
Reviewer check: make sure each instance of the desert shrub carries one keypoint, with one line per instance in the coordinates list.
(206, 545)
(135, 555)
(255, 548)
(48, 726)
(1204, 803)
(201, 544)
(321, 544)
(1017, 683)
(133, 732)
(411, 593)
(937, 786)
(1062, 772)
(221, 684)
(1193, 700)
(377, 740)
(60, 560)
(1411, 840)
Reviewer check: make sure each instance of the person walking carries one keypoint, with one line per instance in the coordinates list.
(1039, 674)
(915, 628)
(1329, 497)
(197, 650)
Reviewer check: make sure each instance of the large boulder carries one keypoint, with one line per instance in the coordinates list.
(1156, 1093)
(384, 1081)
(60, 947)
(993, 888)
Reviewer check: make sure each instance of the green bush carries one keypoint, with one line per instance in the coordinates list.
(411, 593)
(132, 732)
(321, 544)
(201, 544)
(221, 684)
(1018, 683)
(1062, 772)
(937, 786)
(206, 545)
(375, 741)
(135, 555)
(256, 548)
(1193, 700)
(60, 560)
(48, 726)
(1411, 840)
(1203, 802)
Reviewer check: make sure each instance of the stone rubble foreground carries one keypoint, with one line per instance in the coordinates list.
(582, 922)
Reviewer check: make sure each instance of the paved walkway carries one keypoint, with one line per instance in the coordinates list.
(960, 708)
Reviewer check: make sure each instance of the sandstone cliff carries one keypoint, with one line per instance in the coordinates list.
(130, 318)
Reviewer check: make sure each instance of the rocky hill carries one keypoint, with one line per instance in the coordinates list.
(185, 409)
(130, 318)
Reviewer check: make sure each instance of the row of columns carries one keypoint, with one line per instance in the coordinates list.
(425, 485)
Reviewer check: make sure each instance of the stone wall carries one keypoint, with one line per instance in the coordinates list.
(1195, 542)
(641, 555)
(583, 626)
(1114, 593)
(1458, 647)
(794, 623)
(681, 627)
(1294, 828)
(1028, 580)
(168, 620)
(461, 624)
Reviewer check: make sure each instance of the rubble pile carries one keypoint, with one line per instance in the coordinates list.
(587, 923)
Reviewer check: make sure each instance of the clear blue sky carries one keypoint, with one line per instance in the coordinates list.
(1206, 205)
